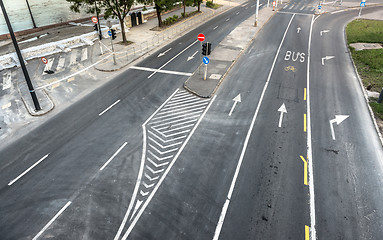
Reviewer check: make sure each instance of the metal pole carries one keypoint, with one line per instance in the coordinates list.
(98, 21)
(30, 12)
(114, 55)
(256, 14)
(25, 71)
(200, 60)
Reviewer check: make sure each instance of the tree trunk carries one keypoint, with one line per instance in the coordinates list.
(158, 15)
(122, 30)
(184, 2)
(199, 7)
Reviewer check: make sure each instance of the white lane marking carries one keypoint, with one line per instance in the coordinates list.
(183, 100)
(337, 11)
(73, 57)
(7, 83)
(84, 54)
(165, 174)
(52, 220)
(236, 100)
(309, 143)
(61, 64)
(338, 120)
(29, 169)
(227, 202)
(282, 110)
(303, 14)
(237, 13)
(48, 66)
(192, 56)
(163, 53)
(141, 168)
(72, 75)
(301, 8)
(175, 121)
(215, 27)
(324, 31)
(173, 58)
(113, 156)
(161, 71)
(227, 19)
(178, 113)
(109, 107)
(284, 7)
(177, 117)
(184, 107)
(7, 105)
(327, 58)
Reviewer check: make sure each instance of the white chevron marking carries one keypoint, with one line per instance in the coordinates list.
(168, 151)
(161, 146)
(144, 193)
(147, 185)
(150, 178)
(157, 165)
(159, 159)
(154, 172)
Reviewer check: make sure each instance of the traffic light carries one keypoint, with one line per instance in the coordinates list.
(208, 48)
(95, 27)
(113, 34)
(204, 46)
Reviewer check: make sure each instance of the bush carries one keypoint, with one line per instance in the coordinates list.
(170, 20)
(209, 4)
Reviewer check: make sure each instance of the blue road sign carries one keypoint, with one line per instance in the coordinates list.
(362, 4)
(319, 7)
(205, 60)
(109, 33)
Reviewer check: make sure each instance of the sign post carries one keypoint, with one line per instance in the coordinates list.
(362, 4)
(201, 38)
(109, 25)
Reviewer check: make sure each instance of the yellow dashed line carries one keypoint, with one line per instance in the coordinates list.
(55, 85)
(305, 122)
(70, 79)
(304, 170)
(307, 232)
(304, 95)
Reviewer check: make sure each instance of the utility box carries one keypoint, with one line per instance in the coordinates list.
(140, 17)
(128, 21)
(134, 19)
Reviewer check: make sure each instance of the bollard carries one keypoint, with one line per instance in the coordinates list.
(380, 99)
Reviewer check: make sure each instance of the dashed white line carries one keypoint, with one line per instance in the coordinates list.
(113, 156)
(227, 19)
(215, 27)
(109, 107)
(237, 13)
(231, 190)
(52, 220)
(29, 169)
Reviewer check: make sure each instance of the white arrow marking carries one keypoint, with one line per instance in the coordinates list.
(162, 54)
(282, 109)
(298, 29)
(327, 58)
(338, 119)
(324, 31)
(236, 100)
(192, 56)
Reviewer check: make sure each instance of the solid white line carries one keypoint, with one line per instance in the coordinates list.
(304, 14)
(309, 143)
(337, 11)
(165, 174)
(52, 220)
(227, 202)
(141, 168)
(173, 58)
(161, 71)
(109, 107)
(29, 169)
(113, 156)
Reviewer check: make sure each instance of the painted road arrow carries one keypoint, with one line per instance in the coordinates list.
(162, 54)
(236, 100)
(338, 119)
(324, 31)
(298, 29)
(327, 58)
(282, 109)
(192, 56)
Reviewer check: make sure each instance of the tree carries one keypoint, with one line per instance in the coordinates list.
(187, 3)
(111, 8)
(197, 3)
(161, 6)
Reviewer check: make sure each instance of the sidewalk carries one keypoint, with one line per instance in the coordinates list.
(342, 5)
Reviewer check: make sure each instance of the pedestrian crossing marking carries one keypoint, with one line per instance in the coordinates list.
(73, 57)
(84, 54)
(60, 65)
(7, 83)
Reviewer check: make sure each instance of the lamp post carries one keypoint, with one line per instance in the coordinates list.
(256, 14)
(23, 67)
(30, 12)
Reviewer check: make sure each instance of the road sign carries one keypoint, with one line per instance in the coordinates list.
(44, 60)
(205, 60)
(94, 19)
(319, 7)
(362, 4)
(110, 33)
(201, 37)
(274, 3)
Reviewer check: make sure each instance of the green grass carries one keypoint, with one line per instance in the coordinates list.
(377, 108)
(370, 67)
(210, 4)
(365, 31)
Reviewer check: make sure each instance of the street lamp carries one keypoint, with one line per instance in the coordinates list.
(25, 71)
(30, 12)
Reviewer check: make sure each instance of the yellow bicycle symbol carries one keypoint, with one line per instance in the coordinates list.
(292, 68)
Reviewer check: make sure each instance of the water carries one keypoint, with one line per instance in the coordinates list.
(45, 12)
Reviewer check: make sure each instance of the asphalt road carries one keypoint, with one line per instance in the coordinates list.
(163, 164)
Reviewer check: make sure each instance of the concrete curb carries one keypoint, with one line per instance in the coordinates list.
(232, 64)
(346, 9)
(372, 115)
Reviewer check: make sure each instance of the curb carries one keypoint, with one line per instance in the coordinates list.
(232, 64)
(372, 115)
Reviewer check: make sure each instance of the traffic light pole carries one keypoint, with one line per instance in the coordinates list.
(256, 14)
(200, 60)
(111, 40)
(98, 21)
(23, 67)
(207, 50)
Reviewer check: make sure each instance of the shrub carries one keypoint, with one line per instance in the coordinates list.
(209, 4)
